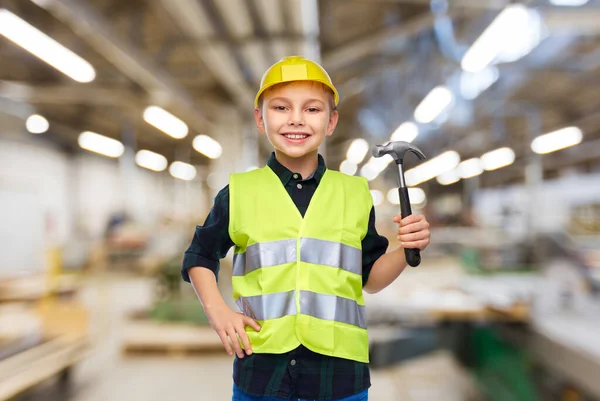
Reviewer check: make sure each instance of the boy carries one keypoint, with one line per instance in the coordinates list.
(305, 248)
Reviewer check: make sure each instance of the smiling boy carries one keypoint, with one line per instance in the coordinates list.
(305, 249)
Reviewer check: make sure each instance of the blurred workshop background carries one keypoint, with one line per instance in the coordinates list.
(120, 120)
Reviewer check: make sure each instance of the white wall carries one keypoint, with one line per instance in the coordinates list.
(38, 181)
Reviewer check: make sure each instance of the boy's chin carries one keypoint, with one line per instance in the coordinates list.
(296, 153)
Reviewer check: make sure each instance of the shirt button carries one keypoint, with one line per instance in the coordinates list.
(293, 362)
(295, 176)
(299, 186)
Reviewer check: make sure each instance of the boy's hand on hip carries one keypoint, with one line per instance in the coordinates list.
(230, 326)
(413, 231)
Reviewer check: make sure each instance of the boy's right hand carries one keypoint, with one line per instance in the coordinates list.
(230, 326)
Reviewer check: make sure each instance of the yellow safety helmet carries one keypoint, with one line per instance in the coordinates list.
(295, 68)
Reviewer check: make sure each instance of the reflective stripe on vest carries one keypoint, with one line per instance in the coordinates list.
(321, 306)
(312, 250)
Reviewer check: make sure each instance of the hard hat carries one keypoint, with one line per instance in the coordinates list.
(295, 68)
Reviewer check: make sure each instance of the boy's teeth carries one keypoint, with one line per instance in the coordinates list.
(291, 136)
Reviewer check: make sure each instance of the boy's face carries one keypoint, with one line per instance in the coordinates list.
(296, 117)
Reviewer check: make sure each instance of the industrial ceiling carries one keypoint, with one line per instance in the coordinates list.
(196, 57)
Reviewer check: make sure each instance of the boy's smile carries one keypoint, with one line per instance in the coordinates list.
(296, 118)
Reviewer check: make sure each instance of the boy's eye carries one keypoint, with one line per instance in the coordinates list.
(279, 107)
(313, 109)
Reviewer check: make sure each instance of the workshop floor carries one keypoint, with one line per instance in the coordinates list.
(107, 375)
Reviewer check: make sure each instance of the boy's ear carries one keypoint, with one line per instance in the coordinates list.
(260, 122)
(333, 120)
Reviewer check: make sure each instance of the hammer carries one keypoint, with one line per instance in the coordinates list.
(397, 150)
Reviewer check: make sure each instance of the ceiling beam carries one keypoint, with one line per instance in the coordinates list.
(346, 55)
(218, 58)
(480, 4)
(69, 95)
(98, 33)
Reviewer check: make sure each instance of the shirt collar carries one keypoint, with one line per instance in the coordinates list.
(285, 175)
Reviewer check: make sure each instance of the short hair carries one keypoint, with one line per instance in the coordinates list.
(325, 88)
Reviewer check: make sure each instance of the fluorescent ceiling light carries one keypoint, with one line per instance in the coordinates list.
(406, 132)
(37, 124)
(393, 196)
(472, 84)
(377, 197)
(100, 144)
(347, 167)
(357, 151)
(166, 122)
(45, 48)
(415, 195)
(569, 3)
(497, 159)
(183, 171)
(375, 166)
(207, 146)
(432, 168)
(470, 168)
(557, 140)
(433, 104)
(380, 163)
(449, 177)
(505, 31)
(369, 172)
(150, 160)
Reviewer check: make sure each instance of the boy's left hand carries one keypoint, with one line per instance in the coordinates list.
(413, 231)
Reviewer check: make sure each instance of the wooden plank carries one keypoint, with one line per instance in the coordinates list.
(173, 339)
(29, 368)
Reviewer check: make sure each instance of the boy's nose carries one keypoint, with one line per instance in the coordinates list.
(296, 118)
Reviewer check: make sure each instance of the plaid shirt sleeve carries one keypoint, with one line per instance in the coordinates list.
(211, 241)
(373, 247)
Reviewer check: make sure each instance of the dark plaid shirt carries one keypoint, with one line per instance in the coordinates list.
(301, 372)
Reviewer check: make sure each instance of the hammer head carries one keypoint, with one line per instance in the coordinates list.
(397, 150)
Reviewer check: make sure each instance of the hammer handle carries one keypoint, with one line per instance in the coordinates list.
(413, 255)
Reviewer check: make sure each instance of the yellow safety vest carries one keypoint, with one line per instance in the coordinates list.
(301, 278)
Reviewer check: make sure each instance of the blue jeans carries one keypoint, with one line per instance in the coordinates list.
(239, 395)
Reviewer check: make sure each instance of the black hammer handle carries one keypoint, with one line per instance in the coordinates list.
(413, 255)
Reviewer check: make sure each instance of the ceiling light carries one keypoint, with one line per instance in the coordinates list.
(406, 132)
(449, 177)
(207, 146)
(417, 196)
(497, 159)
(150, 160)
(433, 104)
(377, 197)
(375, 166)
(183, 171)
(557, 140)
(45, 48)
(432, 168)
(369, 172)
(470, 168)
(37, 124)
(393, 196)
(569, 3)
(100, 144)
(166, 122)
(472, 84)
(511, 28)
(347, 167)
(357, 151)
